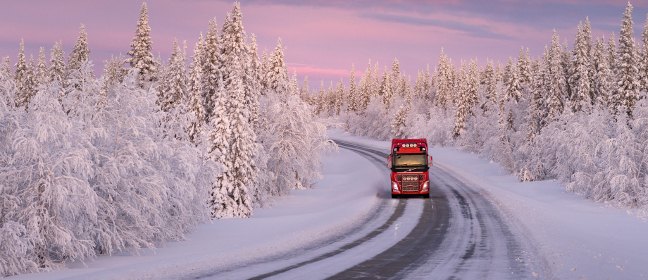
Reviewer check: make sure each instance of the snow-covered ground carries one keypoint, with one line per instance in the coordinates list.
(577, 237)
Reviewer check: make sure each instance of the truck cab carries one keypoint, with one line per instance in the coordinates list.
(409, 163)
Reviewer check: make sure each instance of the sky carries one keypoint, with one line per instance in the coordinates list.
(323, 39)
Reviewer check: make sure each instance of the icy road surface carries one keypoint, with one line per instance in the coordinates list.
(479, 223)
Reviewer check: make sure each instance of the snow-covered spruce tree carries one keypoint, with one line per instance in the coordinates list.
(423, 91)
(469, 83)
(57, 72)
(80, 54)
(253, 77)
(524, 67)
(489, 82)
(353, 92)
(512, 82)
(253, 84)
(556, 83)
(40, 74)
(195, 88)
(396, 79)
(141, 55)
(537, 106)
(211, 68)
(603, 78)
(24, 79)
(386, 89)
(172, 86)
(339, 95)
(365, 89)
(443, 82)
(174, 98)
(643, 58)
(239, 176)
(223, 202)
(580, 80)
(628, 80)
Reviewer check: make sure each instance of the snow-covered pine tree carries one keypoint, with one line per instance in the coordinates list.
(603, 78)
(57, 66)
(395, 78)
(174, 98)
(556, 83)
(253, 83)
(80, 54)
(537, 107)
(241, 168)
(524, 68)
(444, 82)
(41, 76)
(580, 79)
(172, 86)
(141, 55)
(512, 82)
(222, 201)
(276, 75)
(353, 97)
(489, 80)
(211, 68)
(469, 82)
(340, 99)
(24, 79)
(195, 88)
(386, 89)
(628, 80)
(365, 89)
(643, 58)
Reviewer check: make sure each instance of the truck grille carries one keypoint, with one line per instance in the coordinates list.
(409, 183)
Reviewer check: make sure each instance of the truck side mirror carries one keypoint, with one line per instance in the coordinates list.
(389, 162)
(430, 162)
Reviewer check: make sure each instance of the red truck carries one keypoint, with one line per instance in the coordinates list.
(409, 163)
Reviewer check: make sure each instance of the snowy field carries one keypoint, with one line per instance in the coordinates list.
(579, 239)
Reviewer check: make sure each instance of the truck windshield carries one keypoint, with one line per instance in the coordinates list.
(409, 161)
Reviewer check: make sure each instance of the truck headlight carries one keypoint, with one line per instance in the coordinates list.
(426, 185)
(394, 186)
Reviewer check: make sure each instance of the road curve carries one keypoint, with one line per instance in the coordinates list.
(460, 235)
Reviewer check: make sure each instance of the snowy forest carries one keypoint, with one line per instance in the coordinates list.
(577, 115)
(138, 156)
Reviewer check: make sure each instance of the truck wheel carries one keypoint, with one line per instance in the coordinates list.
(427, 195)
(394, 196)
